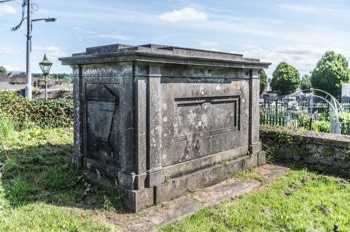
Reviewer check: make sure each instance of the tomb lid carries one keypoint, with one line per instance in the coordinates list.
(161, 54)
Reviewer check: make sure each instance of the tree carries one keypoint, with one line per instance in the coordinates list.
(3, 70)
(263, 80)
(331, 70)
(305, 82)
(285, 79)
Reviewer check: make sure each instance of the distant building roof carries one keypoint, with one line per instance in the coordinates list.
(4, 78)
(17, 79)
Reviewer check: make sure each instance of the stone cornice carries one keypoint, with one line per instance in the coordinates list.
(162, 54)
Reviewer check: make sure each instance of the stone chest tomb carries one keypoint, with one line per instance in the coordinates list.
(157, 121)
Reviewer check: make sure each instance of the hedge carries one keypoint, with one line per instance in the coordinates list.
(38, 112)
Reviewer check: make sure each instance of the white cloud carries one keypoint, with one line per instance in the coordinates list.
(13, 68)
(113, 36)
(84, 30)
(7, 9)
(303, 57)
(52, 52)
(99, 35)
(321, 10)
(4, 52)
(185, 14)
(208, 45)
(56, 51)
(228, 25)
(300, 8)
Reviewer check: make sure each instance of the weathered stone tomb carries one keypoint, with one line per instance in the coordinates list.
(158, 121)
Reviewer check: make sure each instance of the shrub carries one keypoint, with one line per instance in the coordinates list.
(51, 113)
(45, 114)
(320, 126)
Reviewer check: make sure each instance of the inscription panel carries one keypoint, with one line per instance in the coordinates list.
(102, 112)
(204, 126)
(199, 116)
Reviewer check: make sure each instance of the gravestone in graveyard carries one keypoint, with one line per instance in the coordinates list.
(157, 121)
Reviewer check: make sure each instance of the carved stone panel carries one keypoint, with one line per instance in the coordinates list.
(200, 115)
(205, 126)
(102, 112)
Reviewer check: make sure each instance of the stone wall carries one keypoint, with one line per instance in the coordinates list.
(318, 151)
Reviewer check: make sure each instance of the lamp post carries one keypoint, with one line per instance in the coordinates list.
(45, 66)
(28, 4)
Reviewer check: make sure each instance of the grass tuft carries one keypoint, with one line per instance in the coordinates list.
(6, 126)
(250, 174)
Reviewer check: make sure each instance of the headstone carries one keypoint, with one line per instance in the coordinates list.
(158, 121)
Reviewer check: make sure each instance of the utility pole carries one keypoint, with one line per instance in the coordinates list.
(27, 8)
(28, 88)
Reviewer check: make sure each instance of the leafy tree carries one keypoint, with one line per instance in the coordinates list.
(305, 82)
(3, 70)
(285, 79)
(331, 70)
(263, 80)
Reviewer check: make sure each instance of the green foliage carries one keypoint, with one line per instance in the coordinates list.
(3, 70)
(320, 122)
(280, 135)
(51, 113)
(6, 125)
(298, 201)
(43, 217)
(285, 79)
(330, 72)
(263, 80)
(304, 120)
(305, 82)
(344, 117)
(46, 114)
(321, 126)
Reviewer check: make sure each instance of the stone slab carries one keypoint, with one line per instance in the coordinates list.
(153, 217)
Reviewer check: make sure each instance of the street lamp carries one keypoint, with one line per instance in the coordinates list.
(28, 3)
(45, 66)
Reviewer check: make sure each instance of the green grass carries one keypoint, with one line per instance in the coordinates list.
(6, 126)
(250, 174)
(298, 201)
(44, 217)
(40, 190)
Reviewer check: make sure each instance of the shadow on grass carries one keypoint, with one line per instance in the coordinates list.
(45, 174)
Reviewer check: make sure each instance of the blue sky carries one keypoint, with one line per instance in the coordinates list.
(295, 31)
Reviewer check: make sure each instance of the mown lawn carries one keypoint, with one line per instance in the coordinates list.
(41, 191)
(298, 201)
